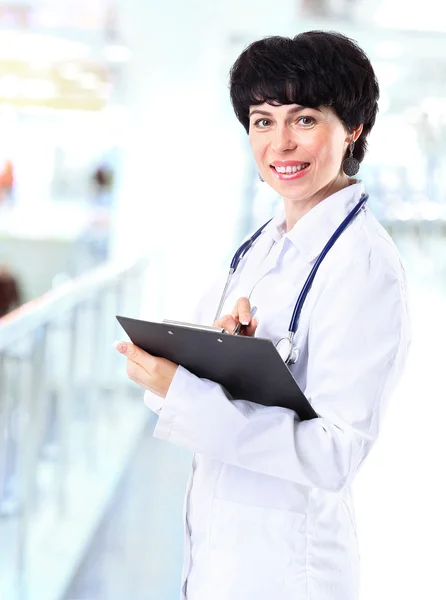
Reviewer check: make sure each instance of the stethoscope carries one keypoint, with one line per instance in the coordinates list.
(285, 345)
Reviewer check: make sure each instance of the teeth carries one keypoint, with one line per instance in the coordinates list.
(291, 169)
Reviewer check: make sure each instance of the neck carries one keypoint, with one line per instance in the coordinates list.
(295, 209)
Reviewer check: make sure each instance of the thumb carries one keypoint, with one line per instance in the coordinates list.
(251, 328)
(132, 352)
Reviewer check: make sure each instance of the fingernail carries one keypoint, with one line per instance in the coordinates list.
(245, 321)
(120, 346)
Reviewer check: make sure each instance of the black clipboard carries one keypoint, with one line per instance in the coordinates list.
(247, 367)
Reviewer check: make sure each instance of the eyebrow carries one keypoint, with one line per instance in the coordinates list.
(293, 110)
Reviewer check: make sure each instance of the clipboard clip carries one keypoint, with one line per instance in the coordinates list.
(194, 326)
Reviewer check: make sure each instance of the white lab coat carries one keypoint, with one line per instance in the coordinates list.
(268, 508)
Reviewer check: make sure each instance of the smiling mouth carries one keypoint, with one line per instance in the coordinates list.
(290, 172)
(290, 169)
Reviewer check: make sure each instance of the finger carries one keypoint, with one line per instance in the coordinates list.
(135, 354)
(242, 311)
(251, 328)
(228, 323)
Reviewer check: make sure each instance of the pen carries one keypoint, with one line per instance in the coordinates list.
(239, 326)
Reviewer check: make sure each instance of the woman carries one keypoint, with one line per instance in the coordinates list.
(268, 510)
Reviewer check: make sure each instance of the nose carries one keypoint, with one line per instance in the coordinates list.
(283, 140)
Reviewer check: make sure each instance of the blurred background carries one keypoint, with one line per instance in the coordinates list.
(125, 183)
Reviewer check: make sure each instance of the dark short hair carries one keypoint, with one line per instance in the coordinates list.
(315, 68)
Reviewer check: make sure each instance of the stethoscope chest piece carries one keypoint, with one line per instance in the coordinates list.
(288, 353)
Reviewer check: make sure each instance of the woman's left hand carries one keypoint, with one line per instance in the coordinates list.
(150, 372)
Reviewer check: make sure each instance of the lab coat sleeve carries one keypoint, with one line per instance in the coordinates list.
(357, 344)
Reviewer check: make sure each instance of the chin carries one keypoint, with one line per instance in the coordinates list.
(295, 191)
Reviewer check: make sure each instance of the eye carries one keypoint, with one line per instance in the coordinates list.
(306, 121)
(262, 123)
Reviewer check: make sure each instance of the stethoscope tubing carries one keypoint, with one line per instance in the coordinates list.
(328, 246)
(245, 247)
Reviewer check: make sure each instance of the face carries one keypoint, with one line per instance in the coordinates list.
(299, 151)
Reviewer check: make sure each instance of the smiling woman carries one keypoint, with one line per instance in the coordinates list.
(269, 512)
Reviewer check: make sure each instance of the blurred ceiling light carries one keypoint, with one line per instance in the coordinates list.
(9, 86)
(33, 46)
(39, 64)
(70, 71)
(117, 53)
(89, 81)
(38, 89)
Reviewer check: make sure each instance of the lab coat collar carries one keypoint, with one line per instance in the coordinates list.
(310, 234)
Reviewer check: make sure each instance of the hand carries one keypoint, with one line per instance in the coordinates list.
(240, 314)
(150, 372)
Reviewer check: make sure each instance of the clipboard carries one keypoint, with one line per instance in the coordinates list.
(247, 367)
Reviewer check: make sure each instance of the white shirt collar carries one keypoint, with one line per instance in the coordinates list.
(310, 234)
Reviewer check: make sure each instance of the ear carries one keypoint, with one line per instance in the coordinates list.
(354, 134)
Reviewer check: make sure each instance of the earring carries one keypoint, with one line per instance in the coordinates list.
(261, 178)
(350, 165)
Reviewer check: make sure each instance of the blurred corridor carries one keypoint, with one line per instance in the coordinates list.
(125, 184)
(136, 551)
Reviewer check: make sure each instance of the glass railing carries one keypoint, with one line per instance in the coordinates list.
(69, 421)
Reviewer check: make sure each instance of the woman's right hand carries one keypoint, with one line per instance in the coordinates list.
(240, 314)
